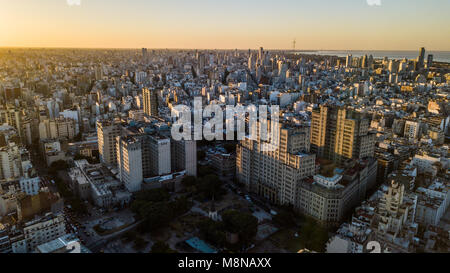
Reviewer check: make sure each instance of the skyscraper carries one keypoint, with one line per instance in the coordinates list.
(364, 61)
(421, 60)
(144, 53)
(430, 61)
(150, 98)
(107, 132)
(339, 134)
(129, 161)
(349, 61)
(260, 55)
(274, 174)
(252, 62)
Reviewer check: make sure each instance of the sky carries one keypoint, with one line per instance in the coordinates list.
(227, 24)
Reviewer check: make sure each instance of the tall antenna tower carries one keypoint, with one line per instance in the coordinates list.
(294, 43)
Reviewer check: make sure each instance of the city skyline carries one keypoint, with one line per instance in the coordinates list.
(318, 25)
(240, 128)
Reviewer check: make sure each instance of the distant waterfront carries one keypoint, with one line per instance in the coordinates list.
(439, 56)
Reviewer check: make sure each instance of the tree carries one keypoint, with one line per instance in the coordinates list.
(284, 219)
(130, 236)
(139, 243)
(154, 208)
(59, 165)
(209, 186)
(212, 232)
(180, 206)
(161, 247)
(89, 159)
(242, 223)
(188, 181)
(313, 235)
(155, 215)
(154, 195)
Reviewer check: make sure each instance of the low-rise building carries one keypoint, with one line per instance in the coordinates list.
(433, 202)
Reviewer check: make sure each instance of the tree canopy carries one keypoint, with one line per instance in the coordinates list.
(242, 223)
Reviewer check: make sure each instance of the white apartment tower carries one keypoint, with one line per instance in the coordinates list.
(107, 133)
(10, 162)
(160, 156)
(129, 160)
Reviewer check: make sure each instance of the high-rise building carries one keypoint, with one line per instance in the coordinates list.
(274, 174)
(143, 156)
(252, 62)
(349, 61)
(394, 218)
(30, 186)
(140, 76)
(99, 73)
(10, 162)
(412, 129)
(184, 156)
(57, 128)
(260, 55)
(201, 63)
(158, 154)
(365, 60)
(18, 119)
(144, 53)
(393, 66)
(339, 134)
(430, 61)
(107, 132)
(150, 98)
(129, 161)
(421, 59)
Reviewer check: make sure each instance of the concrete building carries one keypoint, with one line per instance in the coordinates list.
(57, 128)
(18, 119)
(160, 155)
(433, 202)
(52, 151)
(426, 164)
(394, 221)
(43, 230)
(339, 134)
(412, 129)
(107, 133)
(224, 164)
(64, 244)
(96, 184)
(129, 161)
(184, 156)
(350, 238)
(150, 98)
(10, 162)
(274, 174)
(329, 197)
(30, 186)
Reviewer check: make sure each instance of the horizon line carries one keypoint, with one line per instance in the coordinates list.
(223, 49)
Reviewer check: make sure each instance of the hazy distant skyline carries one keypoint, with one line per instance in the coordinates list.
(210, 24)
